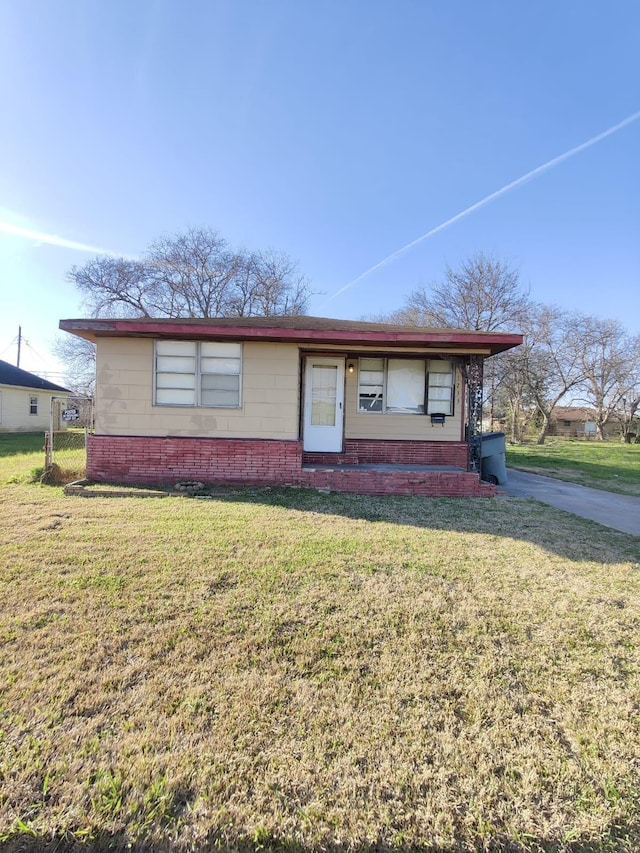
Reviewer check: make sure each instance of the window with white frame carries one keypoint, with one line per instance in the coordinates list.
(198, 373)
(440, 386)
(371, 384)
(33, 405)
(405, 386)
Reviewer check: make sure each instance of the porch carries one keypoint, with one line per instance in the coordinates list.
(384, 467)
(379, 478)
(359, 434)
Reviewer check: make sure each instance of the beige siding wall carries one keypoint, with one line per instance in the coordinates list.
(124, 393)
(414, 427)
(14, 409)
(270, 400)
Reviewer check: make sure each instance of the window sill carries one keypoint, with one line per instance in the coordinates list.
(188, 406)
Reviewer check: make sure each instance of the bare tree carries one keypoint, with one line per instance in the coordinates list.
(193, 274)
(79, 358)
(551, 359)
(629, 409)
(277, 287)
(512, 398)
(114, 287)
(562, 354)
(483, 294)
(610, 359)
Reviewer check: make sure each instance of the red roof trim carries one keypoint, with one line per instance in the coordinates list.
(391, 336)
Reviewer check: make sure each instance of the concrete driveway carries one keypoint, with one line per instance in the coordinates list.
(620, 512)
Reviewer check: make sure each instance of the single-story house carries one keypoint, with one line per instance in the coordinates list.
(307, 401)
(25, 400)
(574, 421)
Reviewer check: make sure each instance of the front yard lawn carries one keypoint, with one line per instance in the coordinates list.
(290, 670)
(22, 456)
(608, 465)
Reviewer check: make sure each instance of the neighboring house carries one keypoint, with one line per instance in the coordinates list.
(25, 400)
(577, 422)
(306, 401)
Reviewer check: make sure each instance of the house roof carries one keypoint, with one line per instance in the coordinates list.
(572, 413)
(10, 375)
(294, 329)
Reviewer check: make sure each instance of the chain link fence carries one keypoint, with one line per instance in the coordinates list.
(70, 422)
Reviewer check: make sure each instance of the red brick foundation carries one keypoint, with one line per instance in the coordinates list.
(151, 460)
(452, 484)
(165, 461)
(358, 451)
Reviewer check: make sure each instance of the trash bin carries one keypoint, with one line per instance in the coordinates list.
(493, 462)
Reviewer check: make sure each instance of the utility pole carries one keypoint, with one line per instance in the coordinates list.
(19, 343)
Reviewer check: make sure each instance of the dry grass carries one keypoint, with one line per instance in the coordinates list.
(287, 670)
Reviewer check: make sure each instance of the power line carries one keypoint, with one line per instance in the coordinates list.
(34, 351)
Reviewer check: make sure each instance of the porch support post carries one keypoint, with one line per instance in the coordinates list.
(474, 374)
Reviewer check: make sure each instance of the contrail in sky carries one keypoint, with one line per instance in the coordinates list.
(54, 240)
(518, 182)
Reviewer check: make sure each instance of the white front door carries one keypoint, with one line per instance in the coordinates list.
(323, 404)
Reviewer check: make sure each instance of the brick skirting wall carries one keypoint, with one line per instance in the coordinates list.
(152, 460)
(367, 450)
(433, 484)
(165, 461)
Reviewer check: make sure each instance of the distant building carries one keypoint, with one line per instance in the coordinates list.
(25, 400)
(578, 422)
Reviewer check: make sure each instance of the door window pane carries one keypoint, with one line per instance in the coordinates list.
(324, 383)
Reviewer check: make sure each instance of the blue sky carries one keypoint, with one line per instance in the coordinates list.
(336, 131)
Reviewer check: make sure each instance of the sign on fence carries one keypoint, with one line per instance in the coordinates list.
(71, 420)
